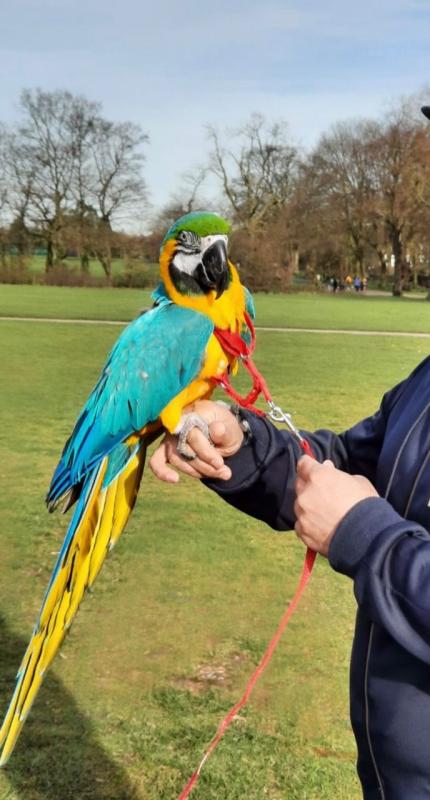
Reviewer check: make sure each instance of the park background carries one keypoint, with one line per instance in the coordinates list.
(304, 128)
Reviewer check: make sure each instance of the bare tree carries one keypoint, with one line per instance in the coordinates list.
(3, 170)
(255, 168)
(43, 151)
(400, 150)
(185, 200)
(115, 188)
(3, 197)
(368, 189)
(71, 168)
(341, 174)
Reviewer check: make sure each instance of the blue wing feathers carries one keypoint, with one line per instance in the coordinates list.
(249, 303)
(144, 371)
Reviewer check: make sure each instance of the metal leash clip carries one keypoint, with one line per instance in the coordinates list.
(277, 414)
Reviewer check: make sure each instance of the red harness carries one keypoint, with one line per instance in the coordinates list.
(234, 346)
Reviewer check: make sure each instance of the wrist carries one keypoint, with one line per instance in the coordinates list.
(243, 423)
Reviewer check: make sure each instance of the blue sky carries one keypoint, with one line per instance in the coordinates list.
(175, 66)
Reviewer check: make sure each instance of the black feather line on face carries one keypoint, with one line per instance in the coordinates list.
(188, 242)
(184, 283)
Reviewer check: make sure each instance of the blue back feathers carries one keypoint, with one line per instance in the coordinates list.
(145, 370)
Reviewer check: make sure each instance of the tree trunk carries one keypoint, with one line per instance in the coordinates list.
(105, 259)
(3, 254)
(50, 256)
(382, 262)
(104, 254)
(399, 262)
(85, 263)
(295, 259)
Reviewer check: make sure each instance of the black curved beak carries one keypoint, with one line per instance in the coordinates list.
(212, 273)
(426, 111)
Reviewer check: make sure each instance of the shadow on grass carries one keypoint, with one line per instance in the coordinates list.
(57, 755)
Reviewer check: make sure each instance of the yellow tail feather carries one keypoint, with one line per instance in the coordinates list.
(103, 520)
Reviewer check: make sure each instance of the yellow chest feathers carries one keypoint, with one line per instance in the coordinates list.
(214, 365)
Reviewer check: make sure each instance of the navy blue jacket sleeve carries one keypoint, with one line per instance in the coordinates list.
(388, 558)
(264, 470)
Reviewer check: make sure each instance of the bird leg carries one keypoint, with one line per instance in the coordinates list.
(187, 423)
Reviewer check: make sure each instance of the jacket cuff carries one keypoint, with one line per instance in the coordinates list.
(357, 532)
(246, 464)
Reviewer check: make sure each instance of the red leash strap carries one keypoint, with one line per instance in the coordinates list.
(234, 345)
(229, 718)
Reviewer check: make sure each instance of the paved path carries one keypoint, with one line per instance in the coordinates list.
(121, 323)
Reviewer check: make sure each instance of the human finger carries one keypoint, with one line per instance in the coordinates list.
(219, 433)
(299, 485)
(159, 465)
(181, 464)
(305, 465)
(227, 435)
(198, 468)
(299, 529)
(366, 484)
(204, 450)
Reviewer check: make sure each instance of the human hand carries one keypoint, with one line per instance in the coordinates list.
(324, 495)
(226, 435)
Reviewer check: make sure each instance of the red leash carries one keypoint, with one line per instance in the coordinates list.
(234, 345)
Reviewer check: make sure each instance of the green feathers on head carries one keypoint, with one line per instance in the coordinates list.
(203, 223)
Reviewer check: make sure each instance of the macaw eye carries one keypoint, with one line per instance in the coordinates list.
(189, 241)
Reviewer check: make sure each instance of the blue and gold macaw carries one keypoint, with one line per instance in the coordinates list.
(163, 361)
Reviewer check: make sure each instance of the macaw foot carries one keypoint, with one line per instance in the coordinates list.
(187, 423)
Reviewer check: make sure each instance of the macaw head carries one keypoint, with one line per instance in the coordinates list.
(193, 255)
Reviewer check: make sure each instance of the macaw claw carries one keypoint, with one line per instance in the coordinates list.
(188, 422)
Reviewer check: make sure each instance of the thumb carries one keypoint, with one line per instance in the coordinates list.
(219, 433)
(304, 467)
(226, 436)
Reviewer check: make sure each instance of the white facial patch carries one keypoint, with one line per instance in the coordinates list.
(187, 262)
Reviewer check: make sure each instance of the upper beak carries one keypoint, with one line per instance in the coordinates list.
(213, 272)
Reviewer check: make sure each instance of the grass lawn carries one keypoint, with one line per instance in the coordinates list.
(186, 604)
(300, 310)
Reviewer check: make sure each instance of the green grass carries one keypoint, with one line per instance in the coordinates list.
(72, 303)
(300, 310)
(192, 587)
(344, 311)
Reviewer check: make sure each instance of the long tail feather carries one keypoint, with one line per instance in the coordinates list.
(100, 517)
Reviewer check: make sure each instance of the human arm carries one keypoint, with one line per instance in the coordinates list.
(260, 474)
(256, 476)
(388, 559)
(340, 515)
(386, 556)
